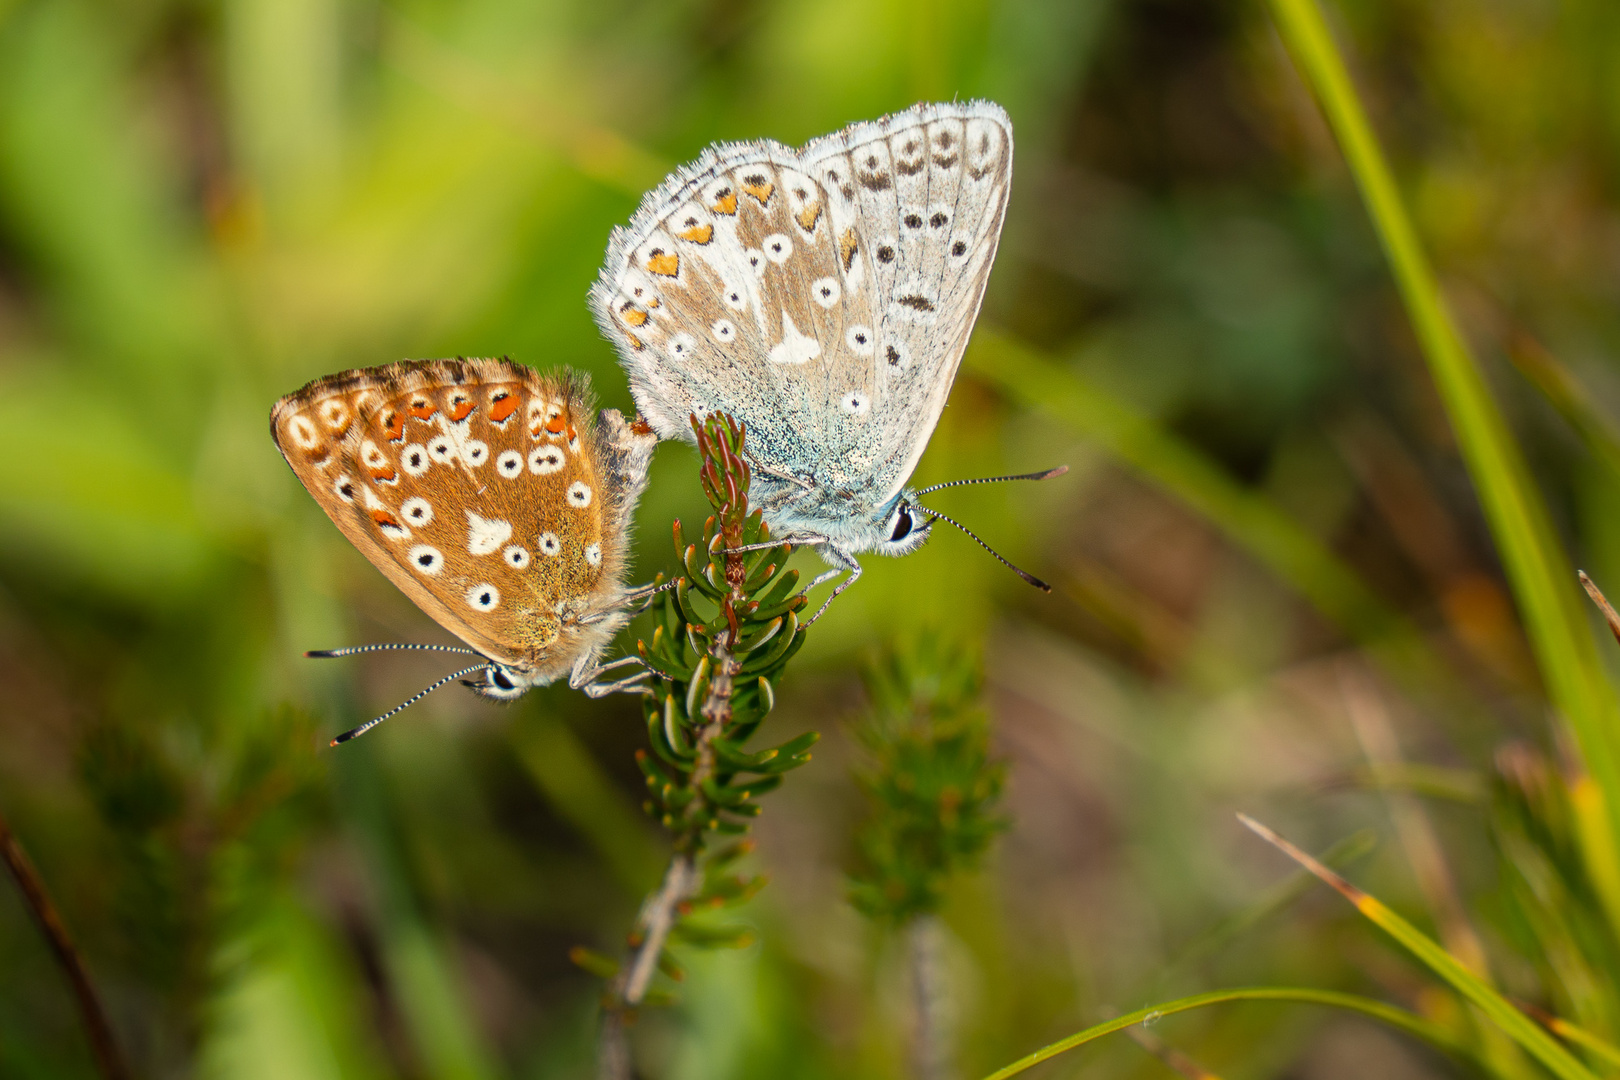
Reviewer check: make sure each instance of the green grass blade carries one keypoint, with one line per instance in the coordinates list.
(1541, 577)
(1409, 1022)
(1501, 1012)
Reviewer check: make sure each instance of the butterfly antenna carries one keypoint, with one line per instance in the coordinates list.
(355, 650)
(1031, 578)
(402, 706)
(1045, 475)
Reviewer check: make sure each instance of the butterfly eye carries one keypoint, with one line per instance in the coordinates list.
(902, 526)
(498, 677)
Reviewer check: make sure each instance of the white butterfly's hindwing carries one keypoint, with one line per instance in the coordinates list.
(822, 296)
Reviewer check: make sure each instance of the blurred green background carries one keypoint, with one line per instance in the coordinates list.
(205, 204)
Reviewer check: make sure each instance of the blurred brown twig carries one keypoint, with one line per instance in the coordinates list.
(109, 1059)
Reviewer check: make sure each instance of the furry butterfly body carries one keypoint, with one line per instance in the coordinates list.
(489, 494)
(823, 296)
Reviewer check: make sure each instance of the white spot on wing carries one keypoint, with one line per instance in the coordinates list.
(516, 557)
(546, 459)
(426, 560)
(859, 339)
(509, 464)
(485, 597)
(579, 494)
(417, 510)
(593, 554)
(414, 459)
(855, 402)
(681, 346)
(825, 291)
(777, 248)
(550, 546)
(303, 432)
(794, 348)
(486, 535)
(441, 449)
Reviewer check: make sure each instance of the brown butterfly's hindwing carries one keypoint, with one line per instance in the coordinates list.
(486, 491)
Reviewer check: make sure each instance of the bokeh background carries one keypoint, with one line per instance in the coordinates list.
(205, 204)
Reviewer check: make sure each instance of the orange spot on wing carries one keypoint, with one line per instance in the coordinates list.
(809, 216)
(556, 424)
(726, 203)
(394, 426)
(385, 472)
(761, 191)
(460, 408)
(383, 517)
(663, 263)
(848, 245)
(635, 342)
(503, 406)
(700, 235)
(573, 435)
(634, 317)
(640, 426)
(423, 410)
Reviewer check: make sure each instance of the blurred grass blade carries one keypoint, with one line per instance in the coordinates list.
(1570, 1033)
(1425, 1030)
(1566, 393)
(1351, 849)
(1503, 1013)
(1540, 574)
(1251, 521)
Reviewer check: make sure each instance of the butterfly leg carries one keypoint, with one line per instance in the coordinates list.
(804, 540)
(586, 671)
(845, 561)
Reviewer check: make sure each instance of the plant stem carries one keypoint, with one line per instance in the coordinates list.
(658, 911)
(109, 1059)
(930, 995)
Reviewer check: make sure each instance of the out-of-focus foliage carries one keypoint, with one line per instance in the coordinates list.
(204, 204)
(929, 780)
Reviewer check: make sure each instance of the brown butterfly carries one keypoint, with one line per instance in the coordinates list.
(485, 491)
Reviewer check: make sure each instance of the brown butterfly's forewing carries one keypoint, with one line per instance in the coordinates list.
(483, 489)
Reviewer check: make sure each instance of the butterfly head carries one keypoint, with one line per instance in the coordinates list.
(906, 527)
(503, 683)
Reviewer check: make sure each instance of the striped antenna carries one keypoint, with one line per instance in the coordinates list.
(1045, 474)
(355, 650)
(402, 706)
(1031, 578)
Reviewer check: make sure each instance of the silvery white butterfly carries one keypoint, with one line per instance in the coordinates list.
(824, 297)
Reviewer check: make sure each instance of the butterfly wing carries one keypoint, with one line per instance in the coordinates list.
(482, 489)
(823, 296)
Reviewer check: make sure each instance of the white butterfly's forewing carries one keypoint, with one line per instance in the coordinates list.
(822, 296)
